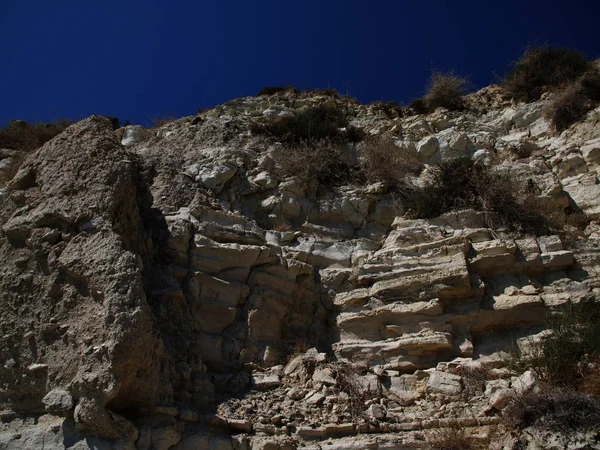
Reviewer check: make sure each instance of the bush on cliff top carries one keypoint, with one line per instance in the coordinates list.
(20, 135)
(445, 90)
(544, 67)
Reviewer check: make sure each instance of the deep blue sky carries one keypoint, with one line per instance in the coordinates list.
(140, 60)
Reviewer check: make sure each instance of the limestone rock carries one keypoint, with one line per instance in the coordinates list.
(444, 383)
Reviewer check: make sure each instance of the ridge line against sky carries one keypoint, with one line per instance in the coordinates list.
(143, 60)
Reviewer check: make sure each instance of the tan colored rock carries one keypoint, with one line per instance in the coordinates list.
(444, 383)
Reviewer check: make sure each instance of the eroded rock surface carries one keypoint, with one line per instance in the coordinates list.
(166, 289)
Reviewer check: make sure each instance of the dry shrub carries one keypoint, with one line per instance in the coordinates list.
(451, 439)
(445, 90)
(567, 108)
(462, 183)
(324, 160)
(574, 102)
(590, 84)
(347, 381)
(311, 124)
(590, 382)
(418, 106)
(544, 67)
(474, 378)
(384, 161)
(20, 135)
(553, 409)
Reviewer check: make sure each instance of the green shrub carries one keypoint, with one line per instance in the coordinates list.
(384, 161)
(20, 135)
(445, 90)
(271, 90)
(319, 122)
(571, 353)
(541, 68)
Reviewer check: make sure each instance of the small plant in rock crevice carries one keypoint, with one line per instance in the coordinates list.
(567, 362)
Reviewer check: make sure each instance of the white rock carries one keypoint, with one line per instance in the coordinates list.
(262, 381)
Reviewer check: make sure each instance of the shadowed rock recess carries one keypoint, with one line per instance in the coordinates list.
(168, 288)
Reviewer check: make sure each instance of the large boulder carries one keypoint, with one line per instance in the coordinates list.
(76, 323)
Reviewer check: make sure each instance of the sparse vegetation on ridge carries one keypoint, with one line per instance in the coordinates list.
(271, 90)
(311, 124)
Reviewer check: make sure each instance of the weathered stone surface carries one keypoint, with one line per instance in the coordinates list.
(158, 275)
(444, 383)
(58, 401)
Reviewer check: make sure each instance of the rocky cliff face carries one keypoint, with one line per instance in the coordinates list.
(167, 289)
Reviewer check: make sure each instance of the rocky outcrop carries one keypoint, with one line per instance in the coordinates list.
(168, 289)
